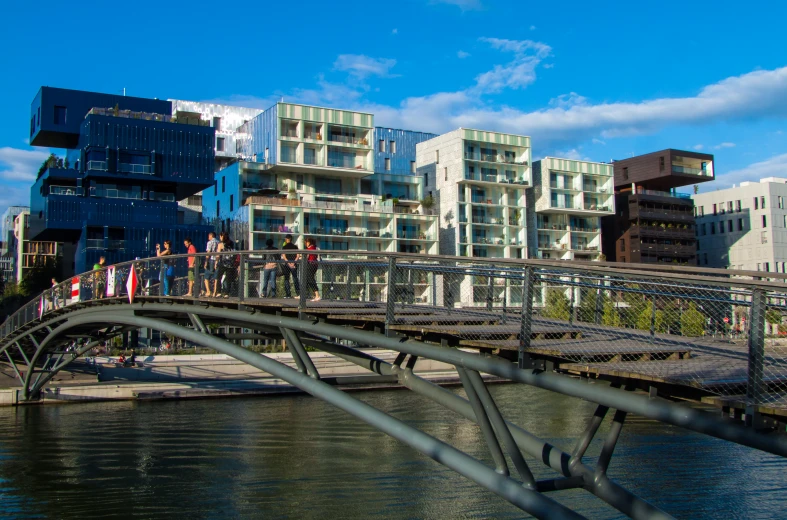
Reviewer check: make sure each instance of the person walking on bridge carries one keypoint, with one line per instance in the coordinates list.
(290, 267)
(210, 263)
(268, 277)
(99, 278)
(191, 250)
(167, 269)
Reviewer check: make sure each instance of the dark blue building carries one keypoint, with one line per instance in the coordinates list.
(128, 161)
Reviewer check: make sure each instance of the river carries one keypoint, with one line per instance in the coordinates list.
(297, 457)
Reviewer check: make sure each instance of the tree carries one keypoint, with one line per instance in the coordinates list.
(610, 317)
(587, 304)
(557, 306)
(692, 322)
(659, 321)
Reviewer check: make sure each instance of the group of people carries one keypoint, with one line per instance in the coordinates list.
(286, 265)
(220, 273)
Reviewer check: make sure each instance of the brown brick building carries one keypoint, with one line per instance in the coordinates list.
(653, 223)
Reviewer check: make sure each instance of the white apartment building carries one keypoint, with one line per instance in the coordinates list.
(570, 199)
(479, 181)
(32, 254)
(744, 227)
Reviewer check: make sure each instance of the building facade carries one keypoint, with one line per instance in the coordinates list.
(653, 222)
(9, 248)
(128, 161)
(571, 197)
(744, 227)
(37, 255)
(479, 181)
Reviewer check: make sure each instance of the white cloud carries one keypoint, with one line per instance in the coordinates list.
(20, 165)
(724, 145)
(774, 167)
(598, 141)
(462, 54)
(464, 5)
(549, 65)
(698, 147)
(518, 73)
(532, 27)
(395, 31)
(240, 100)
(362, 66)
(573, 154)
(14, 195)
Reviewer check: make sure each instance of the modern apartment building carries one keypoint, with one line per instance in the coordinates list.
(479, 182)
(570, 199)
(744, 227)
(9, 247)
(128, 161)
(34, 255)
(313, 175)
(654, 222)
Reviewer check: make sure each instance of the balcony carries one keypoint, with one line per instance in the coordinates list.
(488, 241)
(677, 168)
(666, 231)
(490, 221)
(144, 169)
(584, 229)
(642, 191)
(660, 214)
(257, 186)
(591, 188)
(273, 226)
(98, 243)
(562, 186)
(111, 193)
(100, 166)
(493, 158)
(583, 247)
(563, 205)
(65, 190)
(162, 197)
(667, 249)
(414, 236)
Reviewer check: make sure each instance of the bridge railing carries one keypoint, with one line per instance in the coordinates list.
(715, 331)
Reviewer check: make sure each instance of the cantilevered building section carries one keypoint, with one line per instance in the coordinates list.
(128, 161)
(655, 223)
(571, 197)
(479, 180)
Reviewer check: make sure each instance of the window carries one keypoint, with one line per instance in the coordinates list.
(437, 156)
(762, 202)
(661, 163)
(426, 180)
(740, 224)
(412, 167)
(232, 202)
(622, 246)
(759, 267)
(703, 230)
(219, 144)
(737, 205)
(223, 184)
(299, 181)
(392, 146)
(763, 237)
(217, 123)
(387, 164)
(764, 221)
(729, 226)
(381, 145)
(705, 257)
(702, 211)
(714, 209)
(698, 245)
(445, 173)
(756, 203)
(60, 115)
(625, 172)
(781, 202)
(712, 228)
(729, 206)
(215, 188)
(721, 227)
(218, 209)
(767, 266)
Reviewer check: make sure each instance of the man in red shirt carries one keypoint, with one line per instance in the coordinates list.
(191, 250)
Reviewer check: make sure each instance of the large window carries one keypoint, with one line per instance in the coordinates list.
(219, 144)
(329, 186)
(288, 153)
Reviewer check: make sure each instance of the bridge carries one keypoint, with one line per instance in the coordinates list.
(634, 339)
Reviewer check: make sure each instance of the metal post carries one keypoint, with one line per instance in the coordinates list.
(242, 286)
(483, 422)
(489, 288)
(599, 303)
(294, 340)
(391, 299)
(653, 319)
(303, 277)
(410, 286)
(349, 282)
(571, 307)
(13, 365)
(755, 384)
(527, 315)
(609, 443)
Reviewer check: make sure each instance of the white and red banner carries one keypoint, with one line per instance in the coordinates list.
(132, 283)
(111, 281)
(74, 289)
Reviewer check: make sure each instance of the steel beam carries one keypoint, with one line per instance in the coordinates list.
(610, 442)
(13, 365)
(528, 500)
(298, 352)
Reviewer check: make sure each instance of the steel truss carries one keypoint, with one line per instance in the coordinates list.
(187, 321)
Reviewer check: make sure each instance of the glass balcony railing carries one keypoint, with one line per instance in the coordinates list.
(348, 139)
(112, 193)
(559, 204)
(642, 191)
(100, 166)
(145, 169)
(496, 158)
(163, 197)
(65, 190)
(677, 168)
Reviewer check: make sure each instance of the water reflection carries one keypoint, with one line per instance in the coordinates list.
(296, 457)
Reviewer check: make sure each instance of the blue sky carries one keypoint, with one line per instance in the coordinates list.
(591, 80)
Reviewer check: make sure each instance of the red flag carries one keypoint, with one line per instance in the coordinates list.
(131, 284)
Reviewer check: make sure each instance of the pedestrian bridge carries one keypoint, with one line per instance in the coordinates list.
(632, 338)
